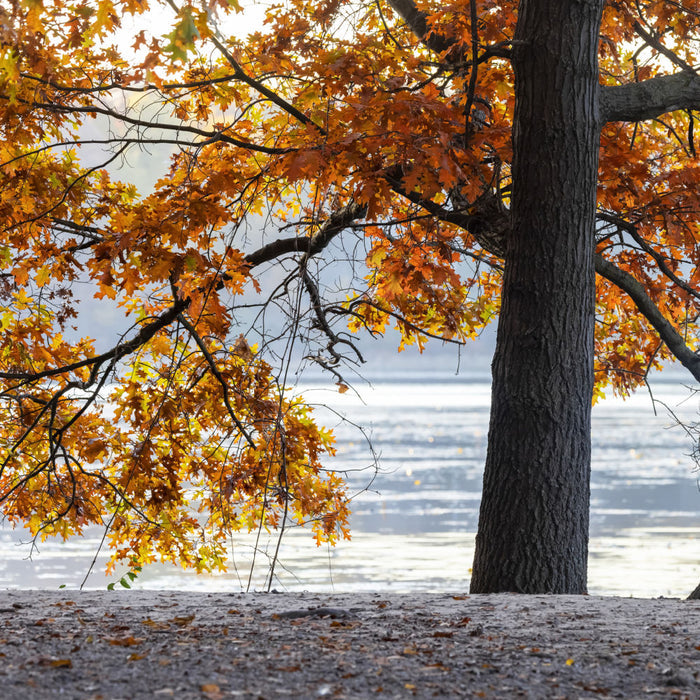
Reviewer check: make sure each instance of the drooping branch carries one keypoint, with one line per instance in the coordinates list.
(635, 290)
(322, 321)
(311, 245)
(217, 375)
(401, 319)
(650, 98)
(147, 331)
(661, 261)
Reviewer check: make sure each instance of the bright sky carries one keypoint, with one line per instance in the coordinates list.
(158, 22)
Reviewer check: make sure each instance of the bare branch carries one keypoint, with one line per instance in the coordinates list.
(322, 321)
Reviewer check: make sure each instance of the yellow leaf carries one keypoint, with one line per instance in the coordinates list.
(43, 276)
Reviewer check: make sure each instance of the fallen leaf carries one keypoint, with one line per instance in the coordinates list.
(136, 657)
(212, 691)
(347, 625)
(183, 620)
(124, 641)
(153, 624)
(61, 663)
(438, 667)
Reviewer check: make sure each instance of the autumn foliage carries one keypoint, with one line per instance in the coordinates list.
(337, 141)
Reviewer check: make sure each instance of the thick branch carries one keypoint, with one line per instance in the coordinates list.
(650, 98)
(311, 245)
(620, 278)
(635, 290)
(489, 224)
(416, 21)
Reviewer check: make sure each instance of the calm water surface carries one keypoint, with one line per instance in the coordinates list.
(414, 526)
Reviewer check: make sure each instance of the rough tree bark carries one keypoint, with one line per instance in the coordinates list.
(533, 524)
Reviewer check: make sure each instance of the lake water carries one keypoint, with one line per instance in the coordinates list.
(414, 528)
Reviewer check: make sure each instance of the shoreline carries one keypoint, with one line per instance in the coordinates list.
(141, 644)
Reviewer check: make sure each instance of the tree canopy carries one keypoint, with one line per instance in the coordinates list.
(347, 164)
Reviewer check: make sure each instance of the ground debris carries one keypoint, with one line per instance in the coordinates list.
(137, 644)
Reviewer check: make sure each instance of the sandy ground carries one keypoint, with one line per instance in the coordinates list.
(138, 644)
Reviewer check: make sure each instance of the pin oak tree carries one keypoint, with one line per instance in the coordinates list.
(532, 161)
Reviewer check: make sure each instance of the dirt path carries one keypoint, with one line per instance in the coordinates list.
(137, 644)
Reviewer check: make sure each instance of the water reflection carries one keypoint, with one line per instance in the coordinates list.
(414, 530)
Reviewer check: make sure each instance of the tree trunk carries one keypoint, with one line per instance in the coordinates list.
(533, 524)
